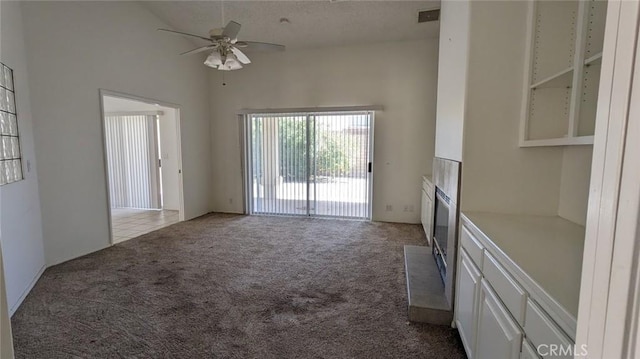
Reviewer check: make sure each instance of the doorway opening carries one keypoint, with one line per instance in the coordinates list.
(310, 164)
(143, 163)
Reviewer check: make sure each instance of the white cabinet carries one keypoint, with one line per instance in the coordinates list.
(427, 215)
(498, 335)
(497, 313)
(468, 291)
(426, 210)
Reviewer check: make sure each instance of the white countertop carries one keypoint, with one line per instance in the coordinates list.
(547, 248)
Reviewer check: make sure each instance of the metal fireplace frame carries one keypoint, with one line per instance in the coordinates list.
(446, 175)
(442, 200)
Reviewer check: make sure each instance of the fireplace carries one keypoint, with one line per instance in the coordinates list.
(446, 176)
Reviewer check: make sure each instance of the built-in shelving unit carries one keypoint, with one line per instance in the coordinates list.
(563, 63)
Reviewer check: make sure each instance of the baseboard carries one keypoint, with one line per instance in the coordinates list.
(26, 292)
(227, 212)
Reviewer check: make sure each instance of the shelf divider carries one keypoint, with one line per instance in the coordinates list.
(595, 59)
(560, 79)
(564, 141)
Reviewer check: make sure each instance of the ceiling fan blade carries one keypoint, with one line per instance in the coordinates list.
(240, 55)
(184, 34)
(259, 46)
(231, 31)
(199, 49)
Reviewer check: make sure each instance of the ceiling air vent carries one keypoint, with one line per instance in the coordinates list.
(428, 15)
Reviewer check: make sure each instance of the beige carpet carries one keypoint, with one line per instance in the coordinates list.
(229, 286)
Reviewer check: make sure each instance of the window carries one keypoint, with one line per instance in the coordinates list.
(10, 157)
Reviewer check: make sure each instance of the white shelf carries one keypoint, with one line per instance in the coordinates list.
(594, 60)
(564, 36)
(562, 79)
(564, 141)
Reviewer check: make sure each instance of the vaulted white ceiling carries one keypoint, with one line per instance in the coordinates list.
(312, 23)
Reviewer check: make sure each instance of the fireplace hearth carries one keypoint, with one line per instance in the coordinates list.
(431, 270)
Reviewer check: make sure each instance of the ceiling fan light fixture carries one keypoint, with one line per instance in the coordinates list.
(213, 60)
(226, 54)
(231, 63)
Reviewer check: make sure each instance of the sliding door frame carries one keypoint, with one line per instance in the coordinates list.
(308, 162)
(246, 128)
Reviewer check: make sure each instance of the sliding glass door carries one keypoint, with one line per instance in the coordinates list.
(310, 164)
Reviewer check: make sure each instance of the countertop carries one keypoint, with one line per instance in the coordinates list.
(547, 248)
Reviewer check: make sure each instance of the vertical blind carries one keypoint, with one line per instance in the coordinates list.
(314, 164)
(132, 159)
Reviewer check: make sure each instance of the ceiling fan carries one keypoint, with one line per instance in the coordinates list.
(225, 46)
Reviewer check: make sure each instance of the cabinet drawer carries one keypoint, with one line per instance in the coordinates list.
(543, 332)
(510, 292)
(528, 351)
(473, 247)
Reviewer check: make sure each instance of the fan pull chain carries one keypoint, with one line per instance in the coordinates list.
(223, 83)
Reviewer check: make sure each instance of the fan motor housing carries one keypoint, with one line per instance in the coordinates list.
(216, 32)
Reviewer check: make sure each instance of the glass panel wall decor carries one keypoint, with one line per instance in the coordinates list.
(10, 155)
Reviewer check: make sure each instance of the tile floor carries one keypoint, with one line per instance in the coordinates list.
(131, 222)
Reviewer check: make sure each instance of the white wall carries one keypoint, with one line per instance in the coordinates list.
(452, 78)
(400, 76)
(115, 46)
(499, 176)
(574, 183)
(19, 201)
(169, 155)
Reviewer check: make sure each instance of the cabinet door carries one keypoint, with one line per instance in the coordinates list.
(497, 336)
(429, 217)
(426, 215)
(423, 208)
(466, 306)
(528, 352)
